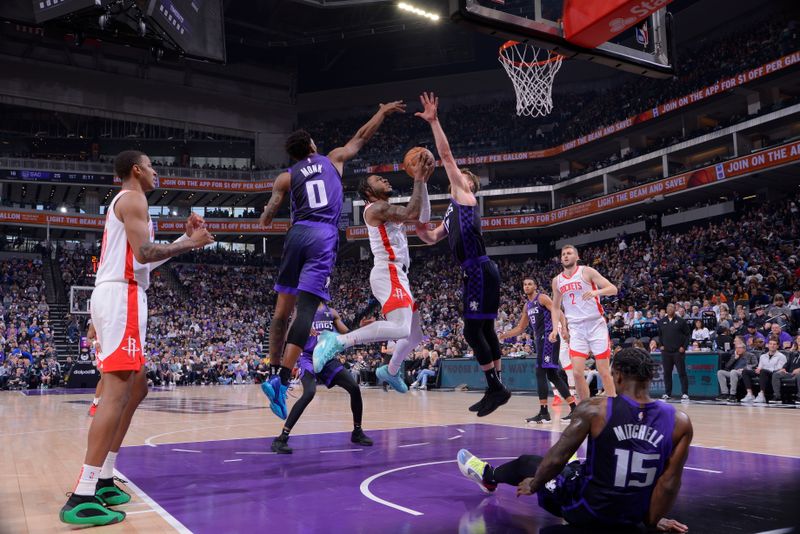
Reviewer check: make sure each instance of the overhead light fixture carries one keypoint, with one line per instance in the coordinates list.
(63, 209)
(418, 11)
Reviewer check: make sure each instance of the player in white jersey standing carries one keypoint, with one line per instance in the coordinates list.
(578, 290)
(119, 316)
(389, 276)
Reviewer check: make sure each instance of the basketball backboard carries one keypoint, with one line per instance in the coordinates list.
(644, 49)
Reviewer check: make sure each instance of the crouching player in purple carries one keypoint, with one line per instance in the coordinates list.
(635, 456)
(333, 374)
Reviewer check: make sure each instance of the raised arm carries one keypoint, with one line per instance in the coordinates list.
(604, 287)
(522, 324)
(431, 237)
(569, 442)
(557, 316)
(669, 483)
(460, 186)
(383, 211)
(279, 190)
(131, 209)
(347, 152)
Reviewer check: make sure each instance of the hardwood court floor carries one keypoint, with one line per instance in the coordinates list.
(43, 437)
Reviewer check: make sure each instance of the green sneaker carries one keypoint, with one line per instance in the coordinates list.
(88, 510)
(110, 494)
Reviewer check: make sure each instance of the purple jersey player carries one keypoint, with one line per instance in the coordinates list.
(481, 291)
(537, 316)
(634, 462)
(314, 184)
(333, 374)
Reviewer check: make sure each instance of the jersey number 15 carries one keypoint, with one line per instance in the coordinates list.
(627, 466)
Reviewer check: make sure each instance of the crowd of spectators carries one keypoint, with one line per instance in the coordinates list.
(27, 353)
(472, 129)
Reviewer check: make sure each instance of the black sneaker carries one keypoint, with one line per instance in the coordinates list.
(88, 510)
(359, 437)
(477, 406)
(540, 418)
(281, 446)
(109, 493)
(493, 400)
(567, 417)
(723, 398)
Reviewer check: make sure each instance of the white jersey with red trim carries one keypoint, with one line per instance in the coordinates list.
(117, 263)
(388, 242)
(572, 289)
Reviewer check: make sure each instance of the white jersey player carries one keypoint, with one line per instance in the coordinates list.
(389, 276)
(578, 290)
(119, 317)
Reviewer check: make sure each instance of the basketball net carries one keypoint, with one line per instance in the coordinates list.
(532, 77)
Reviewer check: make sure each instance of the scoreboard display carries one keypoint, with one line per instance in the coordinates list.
(45, 10)
(196, 26)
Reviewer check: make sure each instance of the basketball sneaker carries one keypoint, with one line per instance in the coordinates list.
(478, 405)
(276, 393)
(88, 510)
(92, 410)
(473, 468)
(396, 381)
(109, 493)
(494, 399)
(541, 418)
(328, 346)
(360, 438)
(281, 446)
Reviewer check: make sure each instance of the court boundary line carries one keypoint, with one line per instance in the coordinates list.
(366, 492)
(166, 516)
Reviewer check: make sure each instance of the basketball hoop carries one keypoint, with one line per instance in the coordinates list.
(532, 77)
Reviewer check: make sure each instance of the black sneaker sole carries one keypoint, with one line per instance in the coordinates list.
(494, 401)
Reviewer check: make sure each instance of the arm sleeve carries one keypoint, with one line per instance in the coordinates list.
(425, 211)
(156, 264)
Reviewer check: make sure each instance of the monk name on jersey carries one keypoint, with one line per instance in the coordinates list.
(311, 170)
(640, 432)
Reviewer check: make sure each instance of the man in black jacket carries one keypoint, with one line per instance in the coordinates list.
(790, 370)
(674, 334)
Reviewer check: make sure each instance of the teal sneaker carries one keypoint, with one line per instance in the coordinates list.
(276, 393)
(396, 381)
(328, 346)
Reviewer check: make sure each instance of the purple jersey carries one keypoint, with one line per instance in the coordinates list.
(624, 462)
(316, 191)
(463, 225)
(323, 321)
(541, 322)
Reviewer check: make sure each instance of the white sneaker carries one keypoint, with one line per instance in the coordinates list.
(665, 397)
(423, 387)
(748, 398)
(684, 397)
(760, 399)
(414, 385)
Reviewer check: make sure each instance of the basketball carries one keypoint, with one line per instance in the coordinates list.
(412, 156)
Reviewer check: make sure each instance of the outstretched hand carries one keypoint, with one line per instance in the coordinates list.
(194, 222)
(398, 106)
(430, 106)
(670, 525)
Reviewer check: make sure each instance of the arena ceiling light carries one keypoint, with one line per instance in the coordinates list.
(418, 11)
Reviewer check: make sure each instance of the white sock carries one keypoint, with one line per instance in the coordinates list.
(108, 465)
(396, 326)
(87, 480)
(405, 346)
(96, 401)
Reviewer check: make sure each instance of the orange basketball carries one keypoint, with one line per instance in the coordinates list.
(412, 156)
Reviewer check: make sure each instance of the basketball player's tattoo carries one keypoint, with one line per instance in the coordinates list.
(272, 206)
(384, 211)
(153, 252)
(277, 337)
